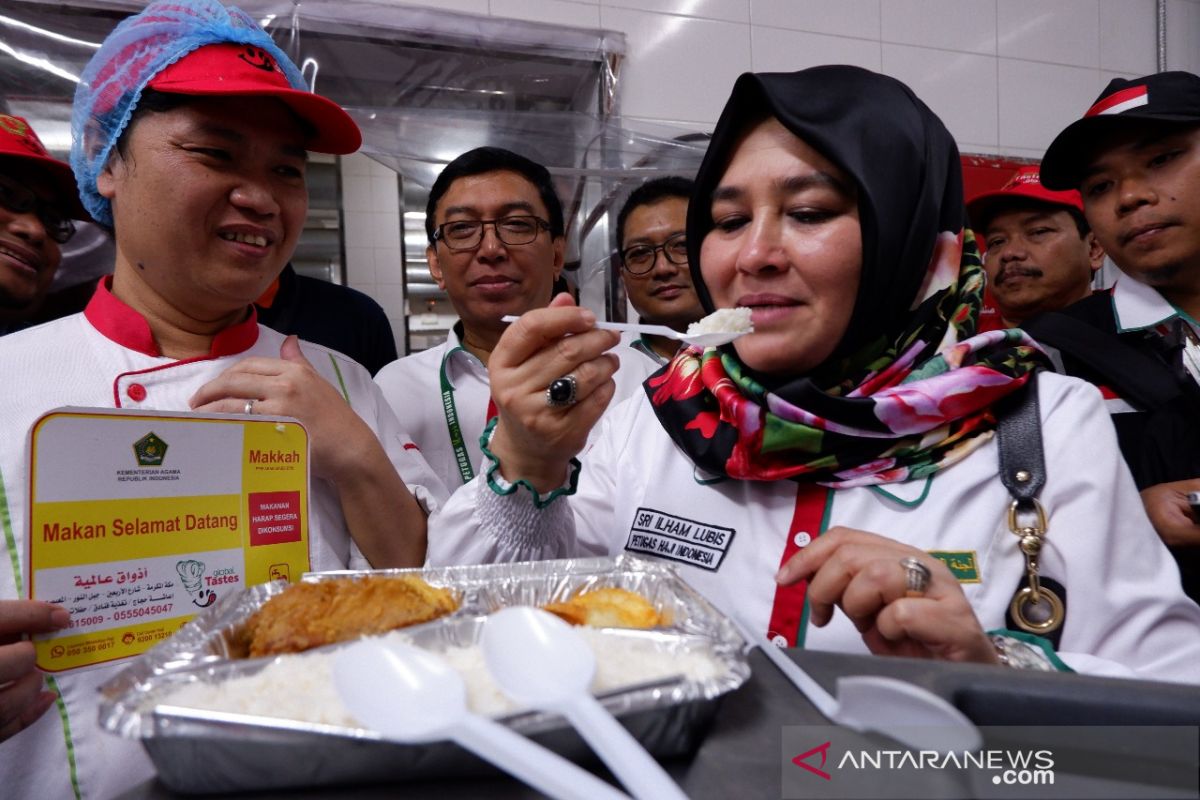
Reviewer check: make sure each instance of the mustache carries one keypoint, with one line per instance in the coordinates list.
(1022, 272)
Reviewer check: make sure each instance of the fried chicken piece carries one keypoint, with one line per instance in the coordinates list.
(309, 615)
(607, 608)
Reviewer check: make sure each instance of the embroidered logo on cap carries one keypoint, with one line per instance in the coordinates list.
(20, 129)
(1022, 178)
(259, 59)
(1120, 102)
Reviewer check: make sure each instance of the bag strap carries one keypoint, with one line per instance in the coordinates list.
(1023, 473)
(1136, 376)
(1019, 437)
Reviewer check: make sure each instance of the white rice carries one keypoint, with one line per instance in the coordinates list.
(300, 687)
(723, 320)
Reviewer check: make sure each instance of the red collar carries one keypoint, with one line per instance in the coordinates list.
(128, 328)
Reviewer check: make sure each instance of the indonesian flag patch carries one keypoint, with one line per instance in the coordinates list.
(1120, 102)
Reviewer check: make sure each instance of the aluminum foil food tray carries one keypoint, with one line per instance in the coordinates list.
(200, 752)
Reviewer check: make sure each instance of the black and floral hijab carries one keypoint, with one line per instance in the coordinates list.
(909, 389)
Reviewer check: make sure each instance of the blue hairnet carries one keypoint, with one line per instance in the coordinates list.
(137, 50)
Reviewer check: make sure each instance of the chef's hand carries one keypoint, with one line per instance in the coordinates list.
(1171, 514)
(22, 697)
(861, 574)
(535, 441)
(288, 386)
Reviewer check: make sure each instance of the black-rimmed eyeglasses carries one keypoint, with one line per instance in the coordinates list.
(639, 259)
(20, 200)
(466, 234)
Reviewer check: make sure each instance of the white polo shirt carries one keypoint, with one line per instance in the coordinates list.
(106, 357)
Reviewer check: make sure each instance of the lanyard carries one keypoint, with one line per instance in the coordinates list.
(645, 349)
(450, 410)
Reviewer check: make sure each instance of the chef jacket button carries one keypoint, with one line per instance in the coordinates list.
(779, 641)
(136, 392)
(802, 539)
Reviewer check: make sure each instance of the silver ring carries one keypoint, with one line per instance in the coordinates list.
(916, 577)
(249, 409)
(562, 392)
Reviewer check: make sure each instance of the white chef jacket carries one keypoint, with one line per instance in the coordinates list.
(413, 387)
(106, 357)
(639, 493)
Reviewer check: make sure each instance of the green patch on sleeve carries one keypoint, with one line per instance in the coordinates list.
(962, 564)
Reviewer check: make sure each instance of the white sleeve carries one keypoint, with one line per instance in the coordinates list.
(1126, 611)
(404, 454)
(479, 525)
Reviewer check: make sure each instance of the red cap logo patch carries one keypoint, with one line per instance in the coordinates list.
(259, 59)
(21, 130)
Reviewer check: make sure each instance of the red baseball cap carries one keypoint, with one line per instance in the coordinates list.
(228, 69)
(1025, 185)
(18, 141)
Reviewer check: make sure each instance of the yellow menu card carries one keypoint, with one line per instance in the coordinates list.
(138, 521)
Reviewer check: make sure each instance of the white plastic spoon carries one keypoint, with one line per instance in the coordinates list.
(899, 710)
(539, 660)
(413, 696)
(696, 339)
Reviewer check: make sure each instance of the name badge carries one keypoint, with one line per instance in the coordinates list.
(687, 541)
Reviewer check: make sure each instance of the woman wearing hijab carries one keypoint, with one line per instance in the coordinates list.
(831, 479)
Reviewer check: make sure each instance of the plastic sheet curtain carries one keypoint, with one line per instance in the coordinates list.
(425, 85)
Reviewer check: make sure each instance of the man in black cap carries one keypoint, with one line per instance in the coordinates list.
(1135, 158)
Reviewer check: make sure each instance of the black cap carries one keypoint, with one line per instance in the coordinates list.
(1165, 97)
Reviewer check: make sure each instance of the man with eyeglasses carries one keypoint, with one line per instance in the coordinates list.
(496, 245)
(654, 262)
(38, 200)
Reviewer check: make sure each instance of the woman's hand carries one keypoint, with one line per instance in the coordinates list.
(288, 386)
(22, 697)
(535, 441)
(861, 573)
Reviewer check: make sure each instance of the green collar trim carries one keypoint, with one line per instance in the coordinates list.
(906, 503)
(1112, 299)
(1035, 641)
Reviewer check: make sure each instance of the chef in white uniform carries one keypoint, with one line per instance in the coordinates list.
(190, 134)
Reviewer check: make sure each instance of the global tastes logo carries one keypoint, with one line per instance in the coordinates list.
(150, 450)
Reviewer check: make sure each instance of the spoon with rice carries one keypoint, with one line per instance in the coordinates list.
(718, 328)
